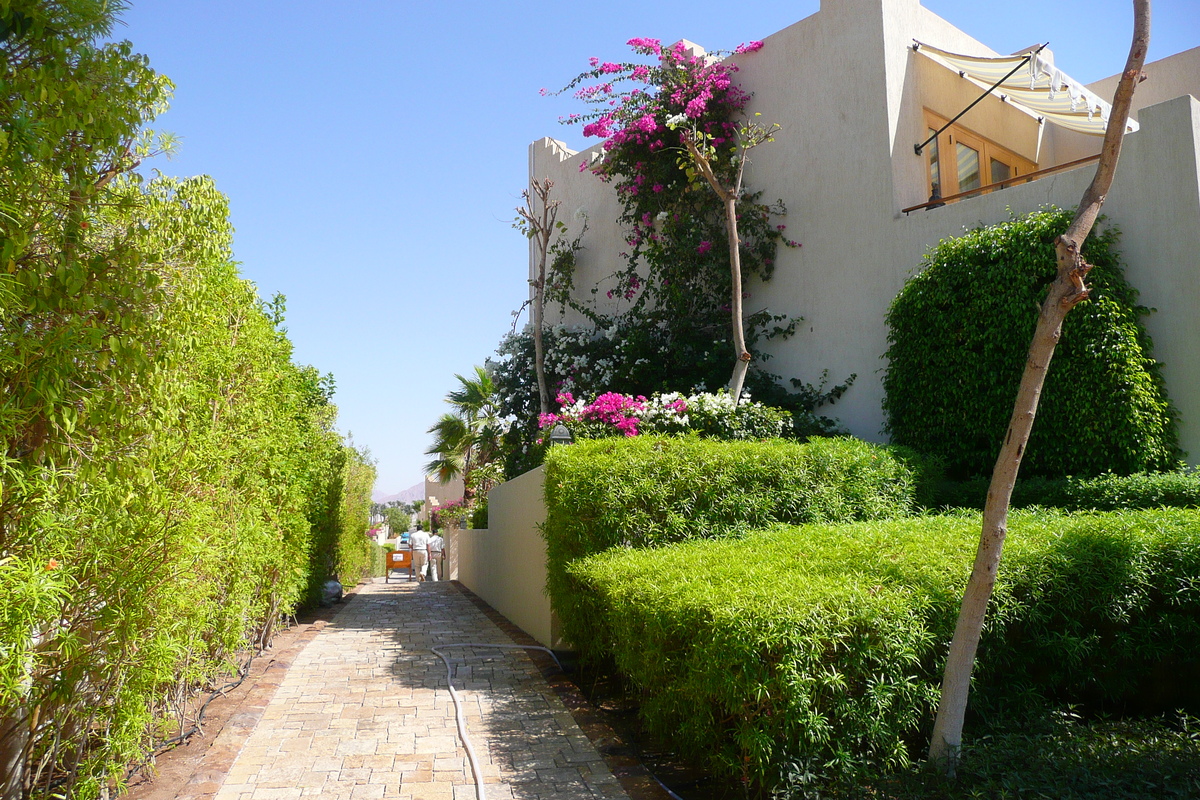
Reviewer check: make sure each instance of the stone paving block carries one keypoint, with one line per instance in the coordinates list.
(363, 713)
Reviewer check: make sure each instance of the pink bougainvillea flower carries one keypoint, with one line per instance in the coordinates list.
(646, 46)
(704, 247)
(565, 399)
(748, 47)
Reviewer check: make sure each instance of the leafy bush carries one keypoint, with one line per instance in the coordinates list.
(821, 647)
(1177, 489)
(652, 491)
(713, 416)
(167, 470)
(959, 335)
(1045, 753)
(479, 516)
(634, 357)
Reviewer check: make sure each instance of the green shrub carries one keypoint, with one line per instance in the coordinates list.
(822, 646)
(649, 491)
(959, 335)
(479, 515)
(1178, 489)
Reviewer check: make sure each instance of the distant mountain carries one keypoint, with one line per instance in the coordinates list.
(407, 496)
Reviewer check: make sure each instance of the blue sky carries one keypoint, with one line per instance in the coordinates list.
(373, 153)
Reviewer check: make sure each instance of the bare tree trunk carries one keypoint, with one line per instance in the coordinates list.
(14, 743)
(15, 733)
(742, 365)
(729, 198)
(539, 227)
(1067, 290)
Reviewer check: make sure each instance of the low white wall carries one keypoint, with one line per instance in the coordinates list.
(506, 564)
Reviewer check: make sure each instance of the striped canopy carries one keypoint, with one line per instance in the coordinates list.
(1038, 86)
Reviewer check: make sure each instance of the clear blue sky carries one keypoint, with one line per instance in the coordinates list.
(373, 152)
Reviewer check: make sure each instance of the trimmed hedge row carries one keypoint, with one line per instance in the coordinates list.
(648, 491)
(821, 647)
(1179, 489)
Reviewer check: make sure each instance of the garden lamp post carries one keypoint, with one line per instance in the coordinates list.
(560, 435)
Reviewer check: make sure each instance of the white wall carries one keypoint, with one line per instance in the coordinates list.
(849, 92)
(506, 564)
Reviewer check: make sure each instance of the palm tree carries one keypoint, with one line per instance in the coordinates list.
(468, 438)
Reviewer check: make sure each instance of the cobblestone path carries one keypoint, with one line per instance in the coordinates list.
(364, 712)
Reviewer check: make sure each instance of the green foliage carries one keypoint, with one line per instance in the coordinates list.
(661, 323)
(163, 462)
(467, 440)
(1048, 753)
(818, 649)
(479, 515)
(651, 491)
(960, 332)
(1177, 489)
(633, 358)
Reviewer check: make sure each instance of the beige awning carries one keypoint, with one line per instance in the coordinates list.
(1038, 86)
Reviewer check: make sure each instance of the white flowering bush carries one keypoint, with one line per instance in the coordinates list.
(709, 415)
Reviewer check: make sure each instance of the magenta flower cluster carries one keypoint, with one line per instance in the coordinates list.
(620, 411)
(681, 81)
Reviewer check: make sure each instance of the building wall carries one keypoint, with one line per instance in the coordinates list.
(506, 564)
(849, 92)
(438, 493)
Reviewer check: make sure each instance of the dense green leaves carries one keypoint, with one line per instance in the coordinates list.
(821, 646)
(959, 335)
(1177, 489)
(651, 491)
(171, 484)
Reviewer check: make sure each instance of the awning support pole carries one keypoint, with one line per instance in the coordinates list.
(919, 147)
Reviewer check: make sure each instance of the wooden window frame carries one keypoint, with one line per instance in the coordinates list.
(987, 149)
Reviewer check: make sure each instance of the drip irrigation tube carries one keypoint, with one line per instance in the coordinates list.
(458, 713)
(461, 722)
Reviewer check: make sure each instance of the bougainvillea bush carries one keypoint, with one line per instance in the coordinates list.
(634, 360)
(712, 415)
(661, 323)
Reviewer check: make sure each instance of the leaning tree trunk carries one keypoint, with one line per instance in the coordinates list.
(539, 227)
(729, 198)
(14, 743)
(742, 364)
(1067, 290)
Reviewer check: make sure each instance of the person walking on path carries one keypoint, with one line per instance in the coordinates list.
(435, 555)
(418, 540)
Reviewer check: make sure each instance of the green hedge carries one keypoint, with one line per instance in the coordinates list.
(1178, 489)
(822, 646)
(959, 336)
(650, 491)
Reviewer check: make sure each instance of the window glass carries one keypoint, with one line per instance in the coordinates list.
(935, 176)
(1000, 171)
(968, 167)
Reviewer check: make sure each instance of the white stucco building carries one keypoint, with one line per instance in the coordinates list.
(853, 98)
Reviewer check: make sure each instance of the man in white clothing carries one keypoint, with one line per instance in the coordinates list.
(419, 542)
(435, 555)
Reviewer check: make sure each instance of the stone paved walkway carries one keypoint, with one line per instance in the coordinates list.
(364, 712)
